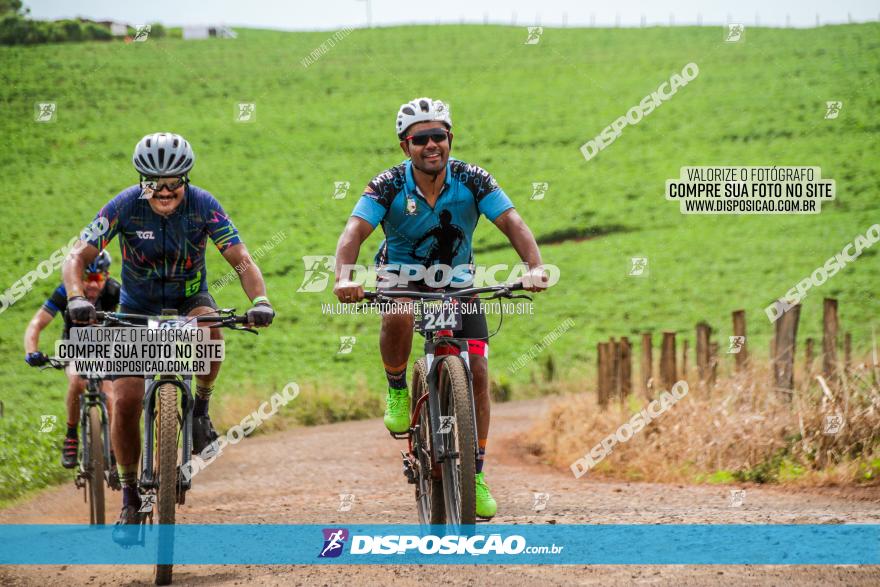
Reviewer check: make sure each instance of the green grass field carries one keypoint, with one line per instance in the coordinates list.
(521, 111)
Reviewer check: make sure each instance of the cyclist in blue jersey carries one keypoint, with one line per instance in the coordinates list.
(103, 291)
(428, 207)
(163, 224)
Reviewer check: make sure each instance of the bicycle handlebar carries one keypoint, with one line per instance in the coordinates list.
(55, 363)
(116, 316)
(229, 320)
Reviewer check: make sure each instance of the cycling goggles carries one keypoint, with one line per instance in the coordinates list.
(156, 184)
(96, 277)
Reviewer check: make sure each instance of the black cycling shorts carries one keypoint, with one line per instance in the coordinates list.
(187, 305)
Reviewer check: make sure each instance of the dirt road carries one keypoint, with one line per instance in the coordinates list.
(297, 476)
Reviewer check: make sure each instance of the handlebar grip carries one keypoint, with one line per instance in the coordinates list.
(517, 286)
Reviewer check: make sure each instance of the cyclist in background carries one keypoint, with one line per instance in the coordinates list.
(102, 291)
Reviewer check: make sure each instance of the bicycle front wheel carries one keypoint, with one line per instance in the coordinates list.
(93, 446)
(457, 419)
(166, 453)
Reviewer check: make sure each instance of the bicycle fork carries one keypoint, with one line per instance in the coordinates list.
(445, 351)
(148, 476)
(92, 398)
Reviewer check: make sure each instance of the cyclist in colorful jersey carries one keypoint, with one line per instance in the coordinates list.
(163, 225)
(102, 291)
(428, 207)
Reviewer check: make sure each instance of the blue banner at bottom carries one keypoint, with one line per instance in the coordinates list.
(802, 544)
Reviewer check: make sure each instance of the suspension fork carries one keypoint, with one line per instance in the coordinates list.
(438, 440)
(148, 476)
(94, 397)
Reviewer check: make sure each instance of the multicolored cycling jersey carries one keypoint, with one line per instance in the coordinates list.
(163, 258)
(108, 301)
(416, 233)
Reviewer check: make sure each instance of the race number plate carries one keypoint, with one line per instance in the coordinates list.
(433, 317)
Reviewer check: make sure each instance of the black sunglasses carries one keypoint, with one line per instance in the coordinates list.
(421, 139)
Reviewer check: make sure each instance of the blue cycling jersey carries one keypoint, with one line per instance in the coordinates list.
(163, 258)
(416, 233)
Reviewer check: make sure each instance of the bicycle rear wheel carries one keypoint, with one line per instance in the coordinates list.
(94, 446)
(459, 469)
(429, 488)
(166, 454)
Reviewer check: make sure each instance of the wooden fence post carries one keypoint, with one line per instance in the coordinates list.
(713, 363)
(703, 333)
(684, 359)
(608, 375)
(829, 339)
(667, 360)
(605, 390)
(600, 371)
(625, 368)
(739, 329)
(614, 390)
(647, 365)
(786, 339)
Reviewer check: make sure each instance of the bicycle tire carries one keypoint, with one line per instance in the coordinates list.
(431, 508)
(166, 453)
(459, 475)
(95, 472)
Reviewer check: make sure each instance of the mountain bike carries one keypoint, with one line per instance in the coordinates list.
(95, 465)
(168, 441)
(442, 436)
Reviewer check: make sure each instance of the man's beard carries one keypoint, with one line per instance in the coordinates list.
(431, 172)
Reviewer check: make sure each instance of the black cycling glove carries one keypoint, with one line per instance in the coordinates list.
(36, 359)
(80, 310)
(261, 314)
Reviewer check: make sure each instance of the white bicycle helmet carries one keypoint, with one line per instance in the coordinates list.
(421, 110)
(163, 154)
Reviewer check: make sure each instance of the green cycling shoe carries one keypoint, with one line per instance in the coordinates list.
(397, 410)
(486, 506)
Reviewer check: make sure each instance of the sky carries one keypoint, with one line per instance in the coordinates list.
(335, 14)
